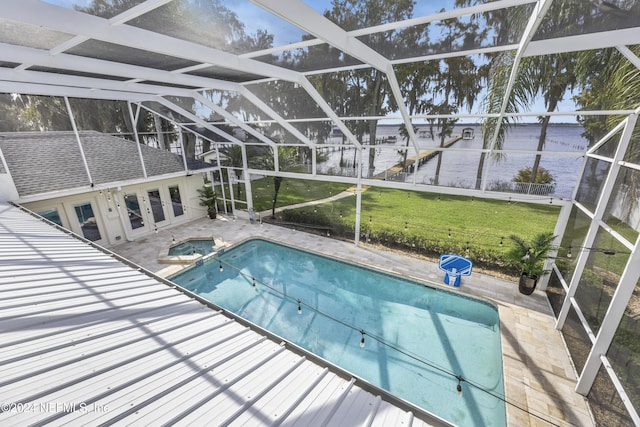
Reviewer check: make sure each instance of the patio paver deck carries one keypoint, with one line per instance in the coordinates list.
(539, 376)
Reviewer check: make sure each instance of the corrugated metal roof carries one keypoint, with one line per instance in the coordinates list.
(87, 339)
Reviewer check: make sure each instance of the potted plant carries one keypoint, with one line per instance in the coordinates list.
(530, 256)
(208, 199)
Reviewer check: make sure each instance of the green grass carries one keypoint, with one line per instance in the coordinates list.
(292, 191)
(426, 223)
(479, 224)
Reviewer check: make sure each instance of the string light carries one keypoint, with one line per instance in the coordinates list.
(606, 251)
(299, 307)
(414, 357)
(254, 282)
(459, 385)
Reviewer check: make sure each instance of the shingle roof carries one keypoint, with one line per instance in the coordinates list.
(86, 339)
(41, 162)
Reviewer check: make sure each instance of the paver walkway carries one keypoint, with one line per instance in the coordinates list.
(539, 376)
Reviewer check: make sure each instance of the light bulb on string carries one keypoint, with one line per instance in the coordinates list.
(362, 338)
(299, 307)
(254, 282)
(459, 385)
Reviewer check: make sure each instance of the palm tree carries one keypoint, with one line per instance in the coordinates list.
(523, 91)
(616, 87)
(550, 75)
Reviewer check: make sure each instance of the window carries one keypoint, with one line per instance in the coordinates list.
(156, 205)
(52, 215)
(176, 201)
(133, 211)
(87, 222)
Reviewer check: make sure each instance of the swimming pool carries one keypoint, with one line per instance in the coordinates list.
(418, 340)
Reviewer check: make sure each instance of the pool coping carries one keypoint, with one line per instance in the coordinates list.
(420, 413)
(365, 384)
(539, 377)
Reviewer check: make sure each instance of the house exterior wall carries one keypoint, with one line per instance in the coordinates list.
(108, 216)
(8, 190)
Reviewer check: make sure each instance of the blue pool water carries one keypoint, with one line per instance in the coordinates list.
(417, 338)
(194, 246)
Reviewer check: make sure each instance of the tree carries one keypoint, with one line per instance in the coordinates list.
(550, 76)
(612, 82)
(10, 105)
(287, 159)
(232, 157)
(367, 92)
(415, 80)
(459, 79)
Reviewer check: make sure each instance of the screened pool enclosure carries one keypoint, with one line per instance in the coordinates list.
(521, 101)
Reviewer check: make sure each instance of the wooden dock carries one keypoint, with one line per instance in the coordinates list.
(423, 158)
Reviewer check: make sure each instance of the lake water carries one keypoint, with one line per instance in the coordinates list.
(460, 163)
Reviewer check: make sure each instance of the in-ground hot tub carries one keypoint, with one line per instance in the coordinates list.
(186, 251)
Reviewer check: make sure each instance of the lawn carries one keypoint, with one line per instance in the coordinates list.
(292, 191)
(423, 222)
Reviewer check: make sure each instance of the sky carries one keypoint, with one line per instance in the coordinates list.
(255, 18)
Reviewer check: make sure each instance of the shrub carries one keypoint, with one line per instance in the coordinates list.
(542, 177)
